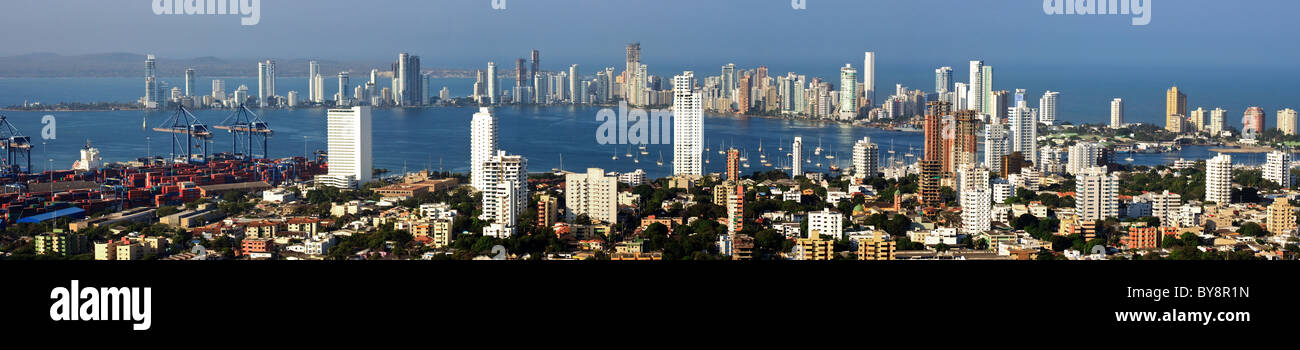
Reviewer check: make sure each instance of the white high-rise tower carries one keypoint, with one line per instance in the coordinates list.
(1218, 179)
(1278, 168)
(482, 145)
(866, 159)
(492, 83)
(975, 100)
(1047, 108)
(351, 161)
(869, 79)
(1117, 113)
(688, 126)
(796, 153)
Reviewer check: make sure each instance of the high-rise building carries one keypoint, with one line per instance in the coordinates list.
(1253, 121)
(995, 145)
(1047, 108)
(313, 69)
(492, 83)
(1218, 180)
(961, 146)
(943, 80)
(342, 97)
(1175, 110)
(189, 82)
(688, 126)
(536, 61)
(1286, 121)
(576, 92)
(986, 83)
(1024, 131)
(1117, 113)
(1218, 120)
(218, 89)
(1196, 120)
(869, 79)
(866, 159)
(1083, 157)
(351, 161)
(1278, 168)
(593, 194)
(932, 165)
(976, 200)
(796, 154)
(975, 101)
(1098, 195)
(505, 194)
(266, 83)
(729, 81)
(408, 83)
(547, 210)
(152, 89)
(733, 165)
(482, 145)
(848, 93)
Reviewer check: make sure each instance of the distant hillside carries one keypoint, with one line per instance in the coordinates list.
(49, 65)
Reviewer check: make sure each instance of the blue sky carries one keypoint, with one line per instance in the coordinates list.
(464, 33)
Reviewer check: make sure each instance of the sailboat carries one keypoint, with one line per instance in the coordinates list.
(644, 152)
(818, 150)
(661, 158)
(615, 154)
(781, 146)
(144, 123)
(629, 151)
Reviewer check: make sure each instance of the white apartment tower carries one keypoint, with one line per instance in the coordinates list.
(1098, 195)
(1047, 108)
(313, 69)
(796, 154)
(1117, 113)
(506, 194)
(265, 82)
(482, 145)
(1278, 168)
(866, 159)
(1024, 131)
(1218, 179)
(869, 79)
(492, 83)
(592, 193)
(1083, 157)
(688, 126)
(976, 201)
(351, 161)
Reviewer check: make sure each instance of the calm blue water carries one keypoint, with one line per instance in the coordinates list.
(418, 138)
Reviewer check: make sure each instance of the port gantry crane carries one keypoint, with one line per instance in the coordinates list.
(184, 125)
(18, 148)
(246, 127)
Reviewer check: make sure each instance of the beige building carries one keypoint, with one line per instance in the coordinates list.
(1175, 110)
(1281, 217)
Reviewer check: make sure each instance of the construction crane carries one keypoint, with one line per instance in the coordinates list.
(245, 128)
(18, 148)
(183, 125)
